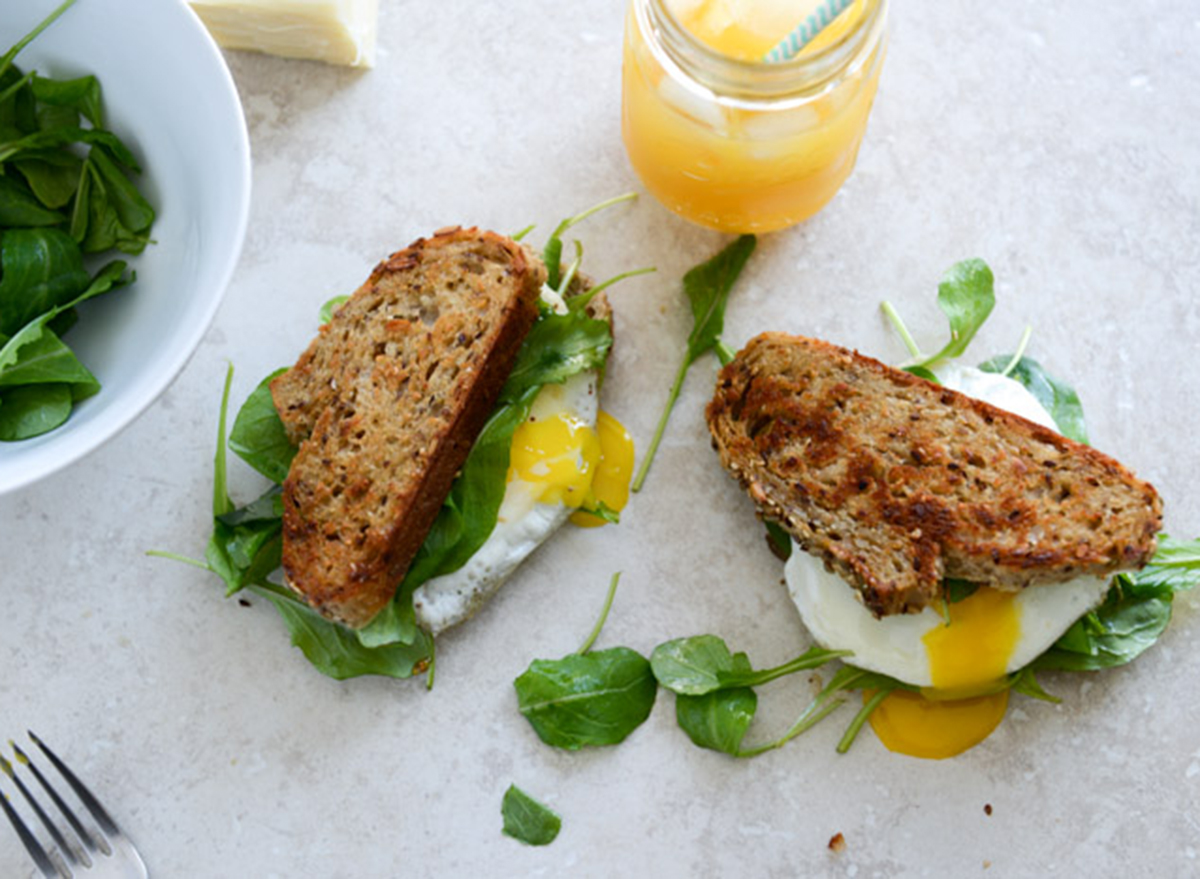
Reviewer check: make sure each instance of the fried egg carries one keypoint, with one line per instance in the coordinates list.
(567, 456)
(959, 663)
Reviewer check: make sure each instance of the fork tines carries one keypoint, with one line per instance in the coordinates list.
(71, 847)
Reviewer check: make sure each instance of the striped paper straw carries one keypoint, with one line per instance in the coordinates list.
(807, 31)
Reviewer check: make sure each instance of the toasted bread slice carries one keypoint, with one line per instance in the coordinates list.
(897, 482)
(386, 403)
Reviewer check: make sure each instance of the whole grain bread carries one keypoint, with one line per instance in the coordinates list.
(385, 405)
(898, 482)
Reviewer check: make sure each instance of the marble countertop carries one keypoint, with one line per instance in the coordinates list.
(1057, 141)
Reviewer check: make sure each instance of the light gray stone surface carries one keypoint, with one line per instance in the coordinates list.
(1058, 141)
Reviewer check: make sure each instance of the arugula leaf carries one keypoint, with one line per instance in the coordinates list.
(258, 435)
(1056, 396)
(585, 698)
(557, 347)
(707, 287)
(527, 820)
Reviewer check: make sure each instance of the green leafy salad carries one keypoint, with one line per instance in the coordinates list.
(245, 547)
(66, 199)
(598, 699)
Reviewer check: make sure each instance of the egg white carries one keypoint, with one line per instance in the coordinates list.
(523, 522)
(837, 619)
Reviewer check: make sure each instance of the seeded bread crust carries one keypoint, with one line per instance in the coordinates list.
(897, 482)
(385, 405)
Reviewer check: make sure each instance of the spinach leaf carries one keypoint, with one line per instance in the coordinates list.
(335, 651)
(1175, 566)
(1113, 634)
(110, 212)
(56, 138)
(527, 820)
(779, 540)
(588, 698)
(258, 437)
(1134, 614)
(966, 296)
(47, 360)
(40, 269)
(715, 701)
(703, 663)
(1056, 396)
(707, 287)
(246, 542)
(117, 205)
(53, 177)
(956, 590)
(20, 207)
(330, 306)
(922, 372)
(54, 206)
(7, 58)
(81, 95)
(717, 720)
(32, 410)
(591, 699)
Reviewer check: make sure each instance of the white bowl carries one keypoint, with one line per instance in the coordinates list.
(169, 96)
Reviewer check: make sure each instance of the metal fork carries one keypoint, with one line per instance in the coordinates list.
(103, 851)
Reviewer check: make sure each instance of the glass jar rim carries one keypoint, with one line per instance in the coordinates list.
(801, 76)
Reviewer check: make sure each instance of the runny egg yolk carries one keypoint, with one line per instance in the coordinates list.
(967, 657)
(610, 486)
(565, 461)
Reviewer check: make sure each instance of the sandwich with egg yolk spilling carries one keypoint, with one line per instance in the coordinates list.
(445, 362)
(441, 425)
(901, 496)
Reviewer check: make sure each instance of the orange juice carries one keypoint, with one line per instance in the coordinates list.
(734, 143)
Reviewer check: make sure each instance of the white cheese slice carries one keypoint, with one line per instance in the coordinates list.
(334, 31)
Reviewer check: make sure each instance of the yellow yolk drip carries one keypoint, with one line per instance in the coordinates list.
(611, 483)
(557, 456)
(749, 30)
(565, 461)
(909, 723)
(967, 657)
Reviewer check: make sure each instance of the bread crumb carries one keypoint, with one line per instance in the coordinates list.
(837, 843)
(987, 865)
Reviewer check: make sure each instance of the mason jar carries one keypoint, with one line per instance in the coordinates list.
(744, 145)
